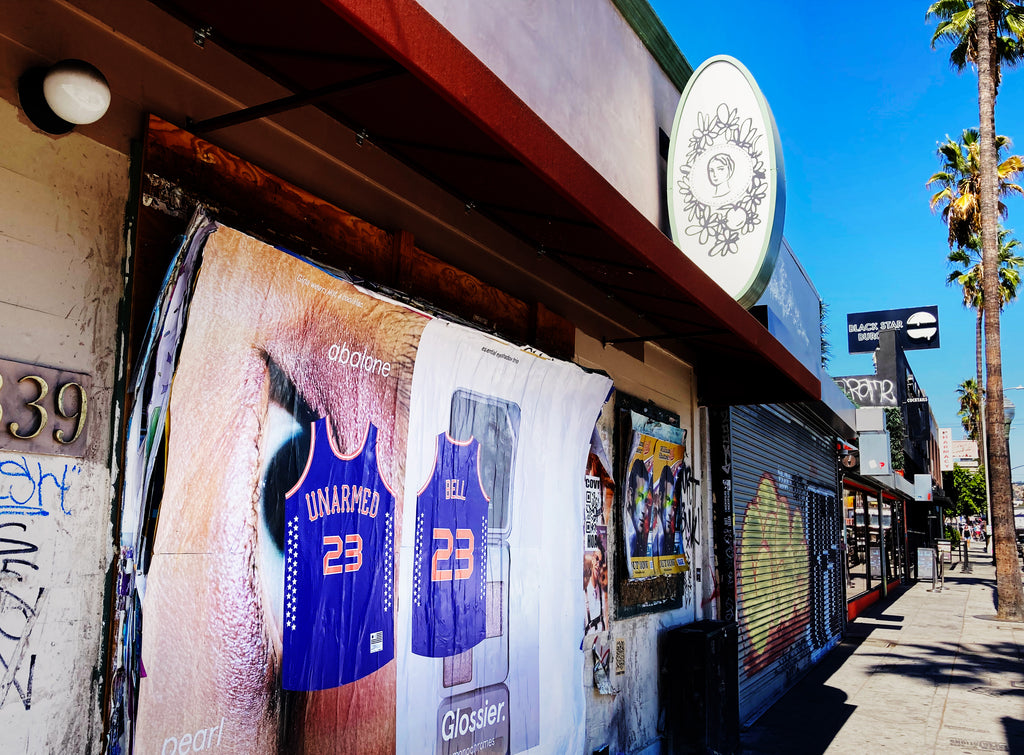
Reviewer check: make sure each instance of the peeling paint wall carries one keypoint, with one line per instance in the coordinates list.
(632, 720)
(61, 253)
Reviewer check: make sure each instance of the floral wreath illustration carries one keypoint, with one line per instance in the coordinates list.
(717, 136)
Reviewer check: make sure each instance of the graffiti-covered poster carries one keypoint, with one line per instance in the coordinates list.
(652, 514)
(362, 530)
(600, 495)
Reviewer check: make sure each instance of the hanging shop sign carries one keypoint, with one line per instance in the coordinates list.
(726, 181)
(916, 328)
(946, 448)
(964, 451)
(868, 390)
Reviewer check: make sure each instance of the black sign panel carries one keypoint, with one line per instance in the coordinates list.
(916, 328)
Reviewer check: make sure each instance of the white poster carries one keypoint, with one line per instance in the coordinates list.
(506, 685)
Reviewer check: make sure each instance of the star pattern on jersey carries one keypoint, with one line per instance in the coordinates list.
(389, 562)
(417, 595)
(483, 557)
(291, 574)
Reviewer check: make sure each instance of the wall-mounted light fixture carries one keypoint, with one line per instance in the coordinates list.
(67, 94)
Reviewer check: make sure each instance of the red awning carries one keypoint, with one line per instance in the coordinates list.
(390, 71)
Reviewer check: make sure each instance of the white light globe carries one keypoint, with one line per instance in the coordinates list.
(76, 91)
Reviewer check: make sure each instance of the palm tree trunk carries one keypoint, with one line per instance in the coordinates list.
(979, 340)
(1009, 592)
(979, 345)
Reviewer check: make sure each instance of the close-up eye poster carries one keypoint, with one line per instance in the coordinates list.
(349, 526)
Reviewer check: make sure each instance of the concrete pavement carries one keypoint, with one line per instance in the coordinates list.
(920, 672)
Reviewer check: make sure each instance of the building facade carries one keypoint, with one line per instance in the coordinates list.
(467, 179)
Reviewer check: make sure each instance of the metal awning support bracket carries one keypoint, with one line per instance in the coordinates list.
(291, 102)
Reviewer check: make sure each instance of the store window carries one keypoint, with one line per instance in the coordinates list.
(864, 562)
(875, 540)
(894, 538)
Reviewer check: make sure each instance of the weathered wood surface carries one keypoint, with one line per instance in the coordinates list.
(181, 170)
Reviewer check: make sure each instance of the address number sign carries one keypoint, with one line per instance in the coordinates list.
(42, 409)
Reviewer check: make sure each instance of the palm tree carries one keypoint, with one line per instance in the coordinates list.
(970, 407)
(967, 273)
(989, 35)
(959, 184)
(957, 24)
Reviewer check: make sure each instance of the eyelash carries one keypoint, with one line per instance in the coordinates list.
(287, 458)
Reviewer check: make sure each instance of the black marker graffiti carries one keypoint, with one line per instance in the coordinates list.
(11, 606)
(689, 505)
(18, 614)
(722, 509)
(19, 547)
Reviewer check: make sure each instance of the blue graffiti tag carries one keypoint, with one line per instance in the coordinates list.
(24, 490)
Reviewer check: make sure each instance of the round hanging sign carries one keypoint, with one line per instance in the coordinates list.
(726, 182)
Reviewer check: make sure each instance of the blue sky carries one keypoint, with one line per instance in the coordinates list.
(860, 106)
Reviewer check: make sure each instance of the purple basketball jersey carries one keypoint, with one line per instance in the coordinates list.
(449, 604)
(339, 567)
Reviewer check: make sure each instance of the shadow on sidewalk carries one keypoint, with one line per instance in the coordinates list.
(950, 663)
(1014, 734)
(808, 717)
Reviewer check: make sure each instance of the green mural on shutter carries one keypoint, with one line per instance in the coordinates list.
(773, 571)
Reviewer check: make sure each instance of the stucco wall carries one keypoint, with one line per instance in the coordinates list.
(582, 69)
(61, 253)
(629, 721)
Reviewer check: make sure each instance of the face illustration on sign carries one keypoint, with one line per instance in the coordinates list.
(722, 185)
(720, 170)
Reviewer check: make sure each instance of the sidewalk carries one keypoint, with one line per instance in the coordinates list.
(921, 672)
